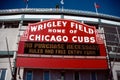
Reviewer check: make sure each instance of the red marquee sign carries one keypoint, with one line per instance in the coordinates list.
(61, 30)
(61, 37)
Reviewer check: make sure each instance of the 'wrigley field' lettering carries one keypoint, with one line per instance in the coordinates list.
(61, 31)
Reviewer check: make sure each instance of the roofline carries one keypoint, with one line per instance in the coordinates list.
(57, 11)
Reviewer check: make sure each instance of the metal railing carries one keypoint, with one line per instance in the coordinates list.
(54, 10)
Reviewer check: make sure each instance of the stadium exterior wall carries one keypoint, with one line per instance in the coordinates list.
(13, 23)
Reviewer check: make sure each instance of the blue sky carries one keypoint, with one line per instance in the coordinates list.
(110, 7)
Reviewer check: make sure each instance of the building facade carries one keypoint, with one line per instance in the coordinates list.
(13, 24)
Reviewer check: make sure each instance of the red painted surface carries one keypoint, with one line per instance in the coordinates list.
(61, 63)
(102, 50)
(21, 47)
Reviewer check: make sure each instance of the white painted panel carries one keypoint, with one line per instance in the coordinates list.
(42, 16)
(110, 22)
(21, 33)
(23, 27)
(115, 68)
(10, 17)
(12, 35)
(81, 18)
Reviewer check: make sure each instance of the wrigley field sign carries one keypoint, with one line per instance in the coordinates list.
(61, 37)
